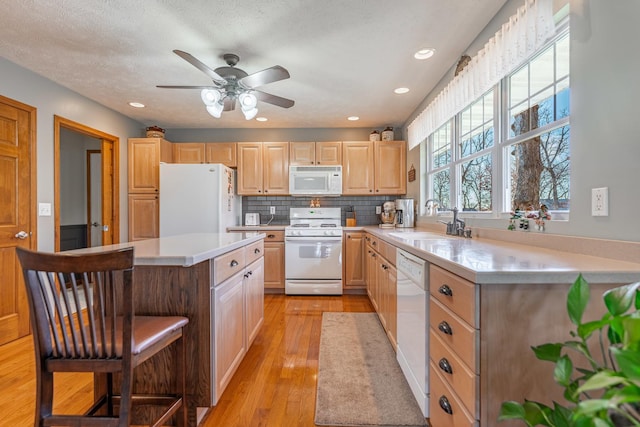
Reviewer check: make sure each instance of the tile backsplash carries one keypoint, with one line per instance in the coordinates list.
(364, 206)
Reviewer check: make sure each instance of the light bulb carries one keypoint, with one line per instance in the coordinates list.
(215, 110)
(247, 101)
(210, 96)
(249, 113)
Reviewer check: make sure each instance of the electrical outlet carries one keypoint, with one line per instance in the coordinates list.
(378, 210)
(600, 201)
(272, 210)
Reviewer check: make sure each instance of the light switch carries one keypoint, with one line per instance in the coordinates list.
(44, 209)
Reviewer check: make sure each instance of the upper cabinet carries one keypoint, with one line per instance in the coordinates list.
(315, 153)
(221, 152)
(263, 168)
(370, 168)
(144, 157)
(188, 152)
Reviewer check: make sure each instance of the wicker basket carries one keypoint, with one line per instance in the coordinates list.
(155, 132)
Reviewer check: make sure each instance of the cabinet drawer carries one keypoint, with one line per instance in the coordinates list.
(253, 251)
(443, 399)
(228, 264)
(273, 236)
(388, 251)
(461, 338)
(454, 292)
(453, 370)
(372, 241)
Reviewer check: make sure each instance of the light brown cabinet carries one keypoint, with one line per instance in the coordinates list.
(370, 168)
(263, 168)
(354, 265)
(315, 153)
(143, 172)
(274, 261)
(188, 152)
(221, 152)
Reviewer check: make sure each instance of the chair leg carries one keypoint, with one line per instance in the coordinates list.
(181, 381)
(44, 396)
(125, 397)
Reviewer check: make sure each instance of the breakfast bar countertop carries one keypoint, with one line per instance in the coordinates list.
(182, 250)
(488, 261)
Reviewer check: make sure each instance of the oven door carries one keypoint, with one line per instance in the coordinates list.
(313, 257)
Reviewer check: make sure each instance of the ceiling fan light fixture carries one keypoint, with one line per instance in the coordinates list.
(210, 96)
(215, 109)
(248, 101)
(249, 113)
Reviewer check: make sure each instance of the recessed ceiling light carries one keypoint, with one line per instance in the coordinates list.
(424, 53)
(137, 104)
(353, 118)
(401, 90)
(261, 119)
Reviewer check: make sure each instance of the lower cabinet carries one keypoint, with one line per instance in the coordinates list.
(237, 304)
(274, 261)
(144, 211)
(354, 265)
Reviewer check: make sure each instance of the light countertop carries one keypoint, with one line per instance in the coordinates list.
(183, 250)
(487, 261)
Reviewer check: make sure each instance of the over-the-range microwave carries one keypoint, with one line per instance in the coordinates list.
(315, 180)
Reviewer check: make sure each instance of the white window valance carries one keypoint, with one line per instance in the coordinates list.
(518, 39)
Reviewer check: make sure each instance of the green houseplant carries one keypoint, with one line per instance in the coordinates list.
(604, 392)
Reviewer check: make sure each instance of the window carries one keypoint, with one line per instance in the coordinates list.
(480, 165)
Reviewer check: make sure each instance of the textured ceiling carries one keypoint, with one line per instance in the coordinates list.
(345, 57)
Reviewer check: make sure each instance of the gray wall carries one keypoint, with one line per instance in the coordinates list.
(604, 139)
(52, 99)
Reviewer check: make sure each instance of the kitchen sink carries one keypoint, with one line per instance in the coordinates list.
(416, 235)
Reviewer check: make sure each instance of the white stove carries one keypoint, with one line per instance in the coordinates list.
(313, 252)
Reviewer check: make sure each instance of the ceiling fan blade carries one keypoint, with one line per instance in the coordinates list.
(269, 75)
(273, 99)
(217, 79)
(185, 87)
(229, 104)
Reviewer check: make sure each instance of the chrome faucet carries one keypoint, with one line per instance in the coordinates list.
(457, 226)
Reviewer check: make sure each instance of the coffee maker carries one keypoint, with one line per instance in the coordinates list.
(405, 216)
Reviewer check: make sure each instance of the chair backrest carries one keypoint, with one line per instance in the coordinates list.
(60, 285)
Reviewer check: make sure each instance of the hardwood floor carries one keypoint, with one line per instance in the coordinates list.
(274, 386)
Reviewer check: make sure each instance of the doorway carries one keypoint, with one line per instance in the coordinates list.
(86, 175)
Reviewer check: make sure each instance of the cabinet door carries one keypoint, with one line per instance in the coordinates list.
(188, 152)
(229, 327)
(143, 216)
(144, 165)
(274, 261)
(302, 153)
(357, 167)
(276, 168)
(221, 152)
(392, 307)
(329, 153)
(249, 168)
(254, 298)
(390, 167)
(354, 260)
(381, 290)
(372, 277)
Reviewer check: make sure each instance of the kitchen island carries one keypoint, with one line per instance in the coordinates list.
(488, 302)
(217, 281)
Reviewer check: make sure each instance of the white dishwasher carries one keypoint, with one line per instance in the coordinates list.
(412, 338)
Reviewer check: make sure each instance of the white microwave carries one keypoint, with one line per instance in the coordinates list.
(315, 180)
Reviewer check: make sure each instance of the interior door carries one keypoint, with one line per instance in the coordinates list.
(17, 225)
(94, 188)
(108, 182)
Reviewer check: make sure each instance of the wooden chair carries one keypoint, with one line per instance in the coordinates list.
(106, 339)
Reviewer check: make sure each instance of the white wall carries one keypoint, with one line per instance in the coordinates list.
(604, 114)
(52, 99)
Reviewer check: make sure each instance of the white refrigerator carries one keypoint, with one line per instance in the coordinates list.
(197, 198)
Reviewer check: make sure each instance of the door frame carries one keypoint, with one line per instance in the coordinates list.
(105, 138)
(89, 183)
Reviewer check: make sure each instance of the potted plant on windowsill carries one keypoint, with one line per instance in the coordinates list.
(605, 392)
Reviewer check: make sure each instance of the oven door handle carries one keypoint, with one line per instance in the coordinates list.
(314, 240)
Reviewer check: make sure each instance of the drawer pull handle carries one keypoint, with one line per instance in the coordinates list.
(233, 263)
(445, 328)
(445, 405)
(445, 366)
(256, 251)
(271, 236)
(445, 290)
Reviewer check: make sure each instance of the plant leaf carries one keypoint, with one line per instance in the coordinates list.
(628, 362)
(550, 352)
(603, 379)
(511, 411)
(577, 300)
(586, 329)
(563, 370)
(560, 415)
(592, 406)
(631, 337)
(618, 300)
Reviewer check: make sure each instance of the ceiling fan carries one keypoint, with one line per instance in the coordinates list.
(231, 84)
